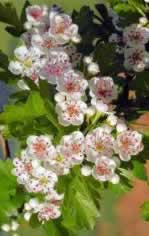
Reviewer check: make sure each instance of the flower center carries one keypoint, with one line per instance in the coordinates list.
(99, 147)
(75, 148)
(39, 148)
(28, 167)
(71, 87)
(44, 181)
(60, 28)
(72, 111)
(102, 169)
(36, 14)
(59, 158)
(28, 62)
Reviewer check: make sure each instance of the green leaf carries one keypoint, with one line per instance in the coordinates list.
(104, 55)
(52, 229)
(81, 203)
(140, 83)
(8, 14)
(33, 108)
(139, 170)
(145, 211)
(8, 189)
(3, 61)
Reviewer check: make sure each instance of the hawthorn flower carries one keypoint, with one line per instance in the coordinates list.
(55, 66)
(71, 148)
(136, 59)
(103, 89)
(71, 112)
(73, 84)
(40, 147)
(104, 170)
(44, 41)
(47, 209)
(49, 212)
(127, 144)
(98, 142)
(42, 180)
(62, 28)
(27, 62)
(33, 206)
(22, 168)
(37, 15)
(135, 35)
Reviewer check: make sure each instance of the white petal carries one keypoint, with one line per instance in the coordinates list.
(27, 216)
(115, 179)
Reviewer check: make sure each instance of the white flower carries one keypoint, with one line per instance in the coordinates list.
(128, 143)
(93, 68)
(103, 89)
(49, 212)
(86, 170)
(98, 142)
(104, 170)
(73, 84)
(71, 112)
(62, 28)
(40, 147)
(36, 15)
(136, 35)
(27, 62)
(42, 180)
(136, 59)
(71, 148)
(23, 168)
(44, 41)
(55, 66)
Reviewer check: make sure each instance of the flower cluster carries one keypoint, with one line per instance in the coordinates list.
(99, 153)
(48, 52)
(135, 37)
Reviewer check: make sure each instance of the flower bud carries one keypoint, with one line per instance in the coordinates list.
(93, 68)
(76, 39)
(88, 60)
(121, 127)
(27, 25)
(27, 216)
(112, 120)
